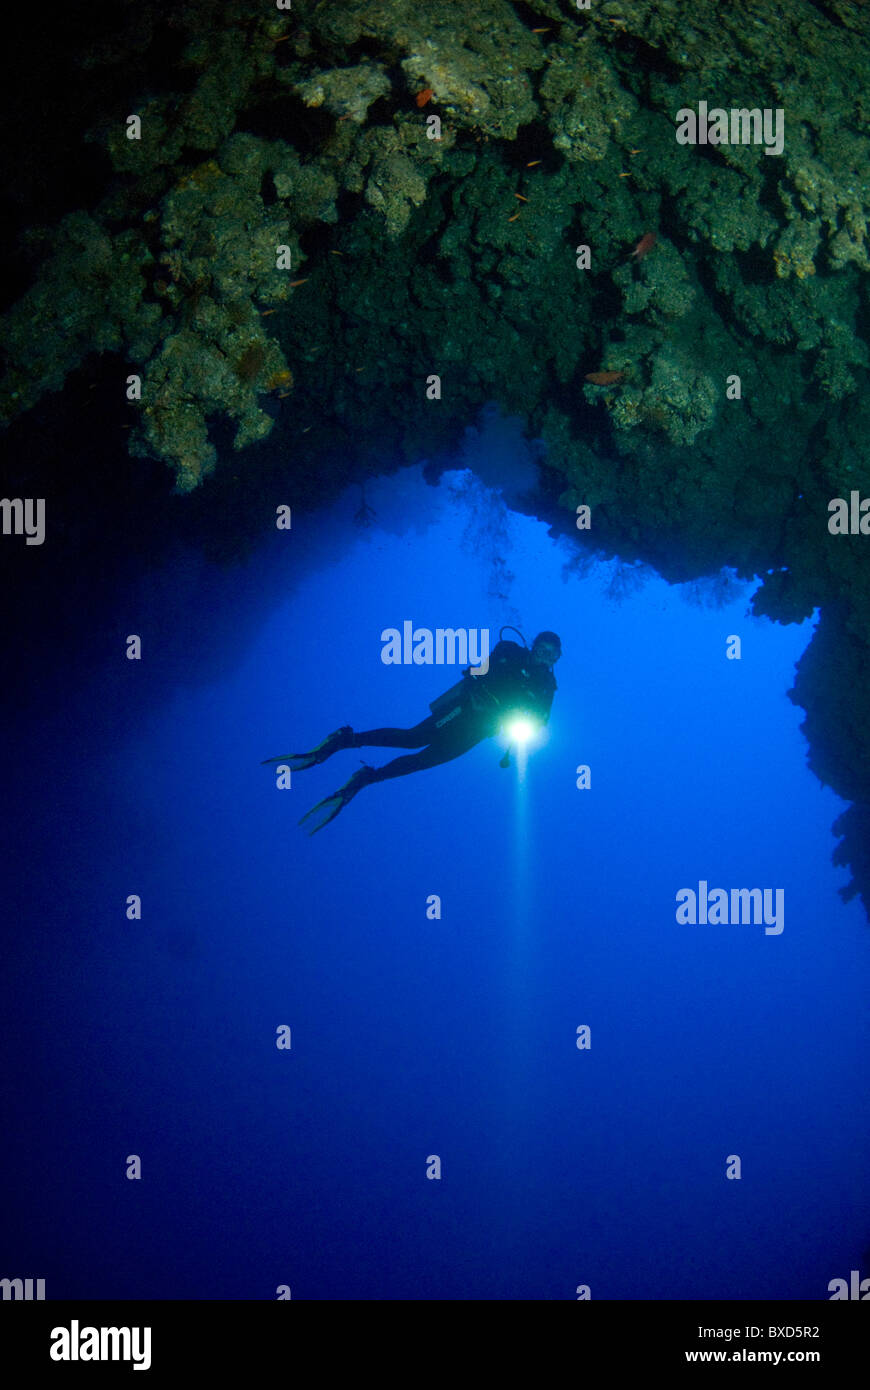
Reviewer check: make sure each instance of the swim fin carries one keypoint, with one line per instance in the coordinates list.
(298, 762)
(330, 806)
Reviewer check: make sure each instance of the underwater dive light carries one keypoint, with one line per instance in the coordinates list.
(521, 730)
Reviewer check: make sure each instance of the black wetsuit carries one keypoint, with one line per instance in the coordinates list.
(513, 683)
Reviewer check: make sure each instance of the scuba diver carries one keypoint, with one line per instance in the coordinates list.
(518, 682)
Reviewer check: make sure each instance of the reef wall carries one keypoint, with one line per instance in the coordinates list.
(296, 219)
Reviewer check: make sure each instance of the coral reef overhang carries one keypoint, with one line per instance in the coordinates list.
(322, 209)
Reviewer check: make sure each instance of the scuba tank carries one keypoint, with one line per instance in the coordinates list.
(451, 704)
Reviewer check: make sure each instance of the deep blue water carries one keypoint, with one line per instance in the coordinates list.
(414, 1037)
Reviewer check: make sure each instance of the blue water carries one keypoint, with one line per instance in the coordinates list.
(412, 1037)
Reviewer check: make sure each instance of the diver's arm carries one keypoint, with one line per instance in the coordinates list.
(543, 703)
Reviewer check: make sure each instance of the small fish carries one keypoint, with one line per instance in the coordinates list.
(514, 218)
(521, 198)
(532, 162)
(604, 378)
(425, 96)
(644, 246)
(294, 283)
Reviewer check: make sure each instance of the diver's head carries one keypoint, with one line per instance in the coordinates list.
(546, 648)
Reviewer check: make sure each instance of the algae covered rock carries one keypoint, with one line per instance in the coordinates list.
(585, 105)
(346, 92)
(90, 297)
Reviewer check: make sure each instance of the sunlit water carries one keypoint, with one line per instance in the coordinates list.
(455, 1036)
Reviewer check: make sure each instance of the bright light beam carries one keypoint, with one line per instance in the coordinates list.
(521, 731)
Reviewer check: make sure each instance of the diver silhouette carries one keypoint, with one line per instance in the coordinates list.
(518, 682)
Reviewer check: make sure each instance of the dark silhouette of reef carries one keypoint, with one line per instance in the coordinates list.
(409, 256)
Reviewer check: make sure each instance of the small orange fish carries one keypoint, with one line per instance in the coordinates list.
(644, 246)
(604, 378)
(294, 283)
(425, 96)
